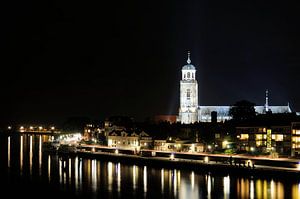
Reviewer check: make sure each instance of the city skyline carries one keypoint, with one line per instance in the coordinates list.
(84, 60)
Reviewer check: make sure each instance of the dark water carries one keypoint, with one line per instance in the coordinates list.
(27, 170)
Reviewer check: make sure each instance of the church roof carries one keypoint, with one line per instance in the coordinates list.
(224, 110)
(188, 67)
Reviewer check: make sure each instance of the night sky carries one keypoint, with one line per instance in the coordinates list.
(76, 58)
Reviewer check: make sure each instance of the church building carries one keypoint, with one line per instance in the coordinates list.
(190, 111)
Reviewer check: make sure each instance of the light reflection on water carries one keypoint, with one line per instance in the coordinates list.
(98, 177)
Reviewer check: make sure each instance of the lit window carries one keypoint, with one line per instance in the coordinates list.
(258, 143)
(244, 136)
(258, 136)
(279, 137)
(273, 137)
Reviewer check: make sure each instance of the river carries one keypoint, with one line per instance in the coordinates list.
(27, 170)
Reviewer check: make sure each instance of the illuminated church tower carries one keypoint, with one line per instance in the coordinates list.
(188, 110)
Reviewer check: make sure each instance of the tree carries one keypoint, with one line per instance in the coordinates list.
(242, 110)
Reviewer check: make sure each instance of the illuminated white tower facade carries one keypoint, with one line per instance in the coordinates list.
(188, 110)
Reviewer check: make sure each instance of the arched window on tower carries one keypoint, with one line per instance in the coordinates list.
(188, 94)
(188, 75)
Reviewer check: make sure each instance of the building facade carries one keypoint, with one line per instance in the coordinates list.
(190, 111)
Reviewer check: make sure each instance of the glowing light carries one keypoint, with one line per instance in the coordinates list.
(209, 147)
(172, 156)
(31, 127)
(206, 160)
(226, 185)
(9, 127)
(8, 150)
(116, 151)
(40, 128)
(52, 128)
(193, 180)
(145, 179)
(162, 179)
(298, 166)
(134, 176)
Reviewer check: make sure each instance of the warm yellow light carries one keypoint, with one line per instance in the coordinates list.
(52, 128)
(206, 159)
(31, 127)
(40, 128)
(22, 127)
(172, 156)
(9, 127)
(116, 151)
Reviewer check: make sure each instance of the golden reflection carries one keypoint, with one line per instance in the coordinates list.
(280, 190)
(170, 180)
(175, 182)
(272, 186)
(94, 175)
(49, 168)
(226, 185)
(209, 186)
(134, 176)
(21, 153)
(265, 189)
(244, 188)
(145, 179)
(119, 176)
(80, 173)
(60, 171)
(40, 155)
(70, 164)
(76, 172)
(178, 179)
(295, 190)
(251, 189)
(193, 180)
(30, 154)
(8, 151)
(109, 175)
(162, 179)
(258, 189)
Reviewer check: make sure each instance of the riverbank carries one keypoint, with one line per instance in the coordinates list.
(204, 165)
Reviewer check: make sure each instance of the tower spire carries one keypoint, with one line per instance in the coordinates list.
(267, 101)
(188, 59)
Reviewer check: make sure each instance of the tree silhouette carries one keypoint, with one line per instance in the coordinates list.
(242, 110)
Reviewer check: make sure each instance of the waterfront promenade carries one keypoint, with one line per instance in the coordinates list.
(219, 163)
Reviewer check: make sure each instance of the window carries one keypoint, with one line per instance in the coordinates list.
(188, 75)
(188, 94)
(244, 136)
(193, 75)
(258, 136)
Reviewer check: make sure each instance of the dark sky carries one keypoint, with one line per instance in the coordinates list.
(77, 58)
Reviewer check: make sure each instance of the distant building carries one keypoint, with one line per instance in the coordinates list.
(129, 140)
(190, 111)
(264, 139)
(295, 139)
